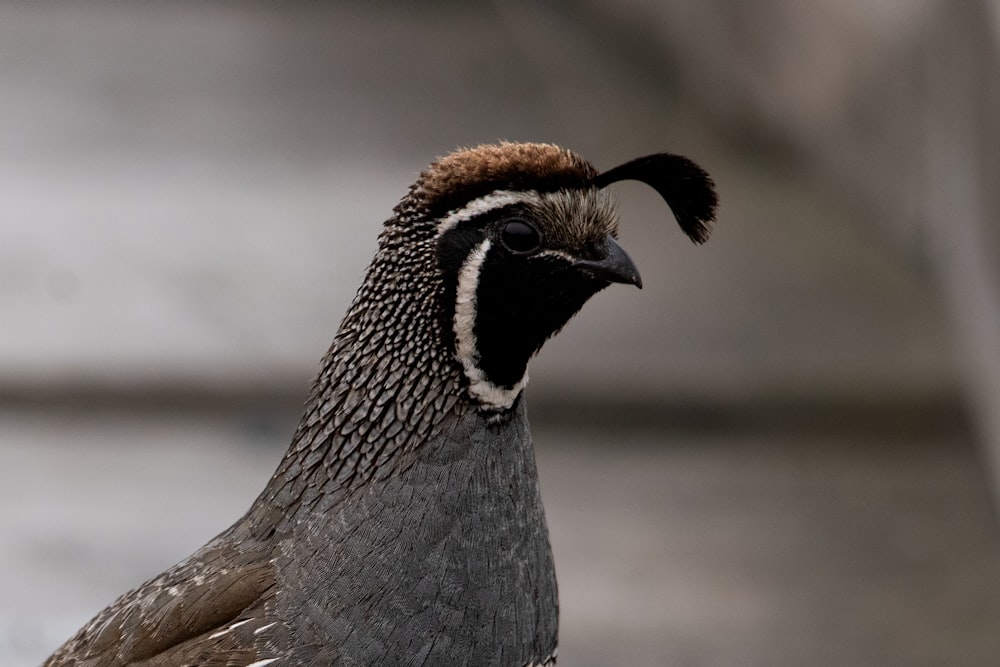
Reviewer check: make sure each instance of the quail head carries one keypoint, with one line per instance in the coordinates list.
(403, 526)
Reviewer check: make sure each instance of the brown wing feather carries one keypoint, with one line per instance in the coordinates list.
(238, 643)
(178, 611)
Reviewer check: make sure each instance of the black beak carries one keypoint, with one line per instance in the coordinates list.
(616, 267)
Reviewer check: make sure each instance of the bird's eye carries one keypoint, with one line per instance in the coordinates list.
(519, 236)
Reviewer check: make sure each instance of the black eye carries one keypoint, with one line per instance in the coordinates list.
(519, 236)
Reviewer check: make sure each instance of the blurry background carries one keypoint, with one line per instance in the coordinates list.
(779, 452)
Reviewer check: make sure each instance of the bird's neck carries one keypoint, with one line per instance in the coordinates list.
(393, 457)
(385, 385)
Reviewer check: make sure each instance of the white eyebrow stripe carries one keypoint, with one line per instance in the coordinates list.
(491, 202)
(556, 253)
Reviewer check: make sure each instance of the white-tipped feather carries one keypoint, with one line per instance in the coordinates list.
(230, 628)
(264, 627)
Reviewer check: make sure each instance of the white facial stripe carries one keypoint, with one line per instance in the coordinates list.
(487, 393)
(494, 200)
(557, 253)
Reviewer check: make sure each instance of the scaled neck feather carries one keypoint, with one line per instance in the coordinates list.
(387, 381)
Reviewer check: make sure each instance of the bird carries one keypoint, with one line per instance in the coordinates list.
(404, 523)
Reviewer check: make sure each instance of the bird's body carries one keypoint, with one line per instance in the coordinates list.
(404, 524)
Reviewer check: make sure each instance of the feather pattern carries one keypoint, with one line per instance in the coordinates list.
(404, 524)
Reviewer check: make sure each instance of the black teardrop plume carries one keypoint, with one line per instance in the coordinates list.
(686, 187)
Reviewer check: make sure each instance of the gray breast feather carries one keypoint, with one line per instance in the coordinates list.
(449, 558)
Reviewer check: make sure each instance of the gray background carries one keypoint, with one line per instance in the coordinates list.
(777, 453)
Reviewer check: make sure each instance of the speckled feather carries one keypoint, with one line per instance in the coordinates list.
(404, 524)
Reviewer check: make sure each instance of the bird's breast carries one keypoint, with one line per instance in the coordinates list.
(448, 558)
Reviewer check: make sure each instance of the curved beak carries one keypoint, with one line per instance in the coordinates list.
(615, 267)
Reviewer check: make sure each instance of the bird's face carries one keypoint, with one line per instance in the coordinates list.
(522, 236)
(517, 265)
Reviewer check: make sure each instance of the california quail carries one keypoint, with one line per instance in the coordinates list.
(403, 525)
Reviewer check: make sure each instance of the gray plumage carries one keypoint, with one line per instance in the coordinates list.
(404, 524)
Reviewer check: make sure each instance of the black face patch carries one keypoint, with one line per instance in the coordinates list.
(454, 248)
(455, 244)
(521, 302)
(516, 271)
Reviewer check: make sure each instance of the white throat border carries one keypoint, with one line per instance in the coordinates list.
(491, 397)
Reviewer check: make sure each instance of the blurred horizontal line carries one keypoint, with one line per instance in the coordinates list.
(892, 414)
(158, 396)
(897, 416)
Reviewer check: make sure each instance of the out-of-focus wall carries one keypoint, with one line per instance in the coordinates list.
(897, 105)
(189, 193)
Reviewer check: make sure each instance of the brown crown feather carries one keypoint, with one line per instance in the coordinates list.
(456, 179)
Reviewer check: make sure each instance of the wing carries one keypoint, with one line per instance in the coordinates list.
(207, 610)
